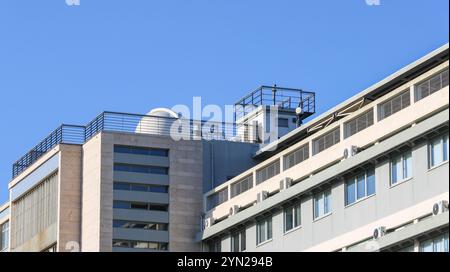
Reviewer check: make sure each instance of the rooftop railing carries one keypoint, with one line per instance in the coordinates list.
(177, 128)
(284, 98)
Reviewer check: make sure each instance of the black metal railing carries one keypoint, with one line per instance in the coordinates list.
(284, 98)
(68, 134)
(177, 128)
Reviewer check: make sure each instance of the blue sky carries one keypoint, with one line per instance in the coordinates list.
(62, 64)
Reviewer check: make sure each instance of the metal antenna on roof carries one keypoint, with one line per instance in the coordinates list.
(274, 92)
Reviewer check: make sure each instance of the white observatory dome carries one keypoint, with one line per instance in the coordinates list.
(158, 121)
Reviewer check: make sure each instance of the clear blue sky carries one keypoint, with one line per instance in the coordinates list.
(67, 64)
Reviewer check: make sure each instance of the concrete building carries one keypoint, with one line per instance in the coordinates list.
(371, 174)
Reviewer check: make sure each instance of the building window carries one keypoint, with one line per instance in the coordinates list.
(264, 231)
(394, 105)
(322, 204)
(140, 244)
(141, 151)
(4, 237)
(326, 141)
(215, 245)
(438, 151)
(401, 167)
(296, 157)
(360, 186)
(216, 199)
(52, 248)
(283, 122)
(122, 186)
(145, 169)
(140, 206)
(292, 217)
(238, 242)
(358, 124)
(241, 186)
(437, 244)
(435, 83)
(140, 225)
(268, 172)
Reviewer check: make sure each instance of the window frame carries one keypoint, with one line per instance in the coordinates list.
(333, 132)
(402, 159)
(443, 142)
(268, 231)
(241, 236)
(296, 211)
(354, 180)
(304, 149)
(428, 80)
(322, 195)
(400, 95)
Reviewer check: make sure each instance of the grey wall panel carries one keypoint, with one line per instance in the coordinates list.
(141, 235)
(156, 198)
(141, 215)
(141, 178)
(141, 159)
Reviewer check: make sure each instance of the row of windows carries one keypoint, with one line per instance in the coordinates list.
(4, 236)
(357, 187)
(359, 123)
(141, 169)
(122, 186)
(437, 244)
(141, 151)
(140, 225)
(140, 244)
(140, 206)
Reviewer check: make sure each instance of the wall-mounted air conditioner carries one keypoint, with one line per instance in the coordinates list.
(440, 207)
(262, 196)
(379, 232)
(234, 210)
(208, 222)
(350, 151)
(285, 183)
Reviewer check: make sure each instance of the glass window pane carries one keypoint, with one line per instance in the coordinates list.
(436, 152)
(350, 192)
(371, 182)
(327, 202)
(445, 148)
(407, 165)
(395, 170)
(269, 229)
(361, 186)
(288, 219)
(297, 216)
(426, 246)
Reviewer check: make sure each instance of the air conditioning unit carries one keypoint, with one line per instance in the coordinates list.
(350, 151)
(208, 222)
(379, 232)
(285, 183)
(262, 196)
(234, 210)
(440, 207)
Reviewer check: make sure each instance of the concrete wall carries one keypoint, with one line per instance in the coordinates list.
(222, 160)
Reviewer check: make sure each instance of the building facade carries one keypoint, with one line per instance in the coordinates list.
(371, 174)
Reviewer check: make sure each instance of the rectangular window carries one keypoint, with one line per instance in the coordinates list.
(264, 230)
(360, 186)
(292, 217)
(140, 225)
(437, 244)
(268, 172)
(140, 244)
(4, 237)
(326, 141)
(394, 105)
(241, 186)
(140, 206)
(296, 157)
(438, 151)
(216, 199)
(238, 243)
(122, 186)
(429, 86)
(141, 169)
(322, 204)
(358, 124)
(401, 167)
(141, 151)
(283, 122)
(215, 245)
